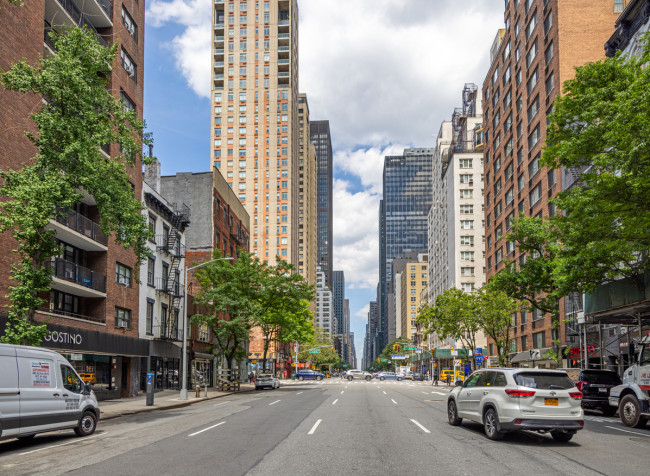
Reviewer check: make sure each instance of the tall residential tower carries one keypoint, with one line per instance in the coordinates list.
(254, 117)
(322, 141)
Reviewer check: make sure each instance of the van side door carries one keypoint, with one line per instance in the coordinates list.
(72, 388)
(9, 392)
(42, 405)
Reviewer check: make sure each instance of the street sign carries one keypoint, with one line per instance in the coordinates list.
(479, 359)
(384, 360)
(454, 353)
(398, 356)
(457, 363)
(479, 351)
(418, 351)
(314, 351)
(409, 347)
(534, 354)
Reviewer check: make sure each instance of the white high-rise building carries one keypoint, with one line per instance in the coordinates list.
(325, 317)
(456, 219)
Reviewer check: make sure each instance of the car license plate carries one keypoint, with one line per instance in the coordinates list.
(602, 390)
(551, 401)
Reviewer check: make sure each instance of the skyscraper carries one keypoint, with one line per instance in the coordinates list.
(307, 196)
(254, 117)
(338, 290)
(407, 192)
(322, 141)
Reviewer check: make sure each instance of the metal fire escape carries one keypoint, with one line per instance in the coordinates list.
(172, 245)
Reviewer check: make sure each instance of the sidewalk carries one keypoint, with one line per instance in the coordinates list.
(163, 400)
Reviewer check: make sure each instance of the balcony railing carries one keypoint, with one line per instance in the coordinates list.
(165, 331)
(175, 249)
(75, 273)
(80, 19)
(283, 49)
(107, 6)
(166, 285)
(61, 312)
(283, 22)
(83, 225)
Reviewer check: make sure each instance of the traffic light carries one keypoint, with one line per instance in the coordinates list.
(378, 361)
(396, 347)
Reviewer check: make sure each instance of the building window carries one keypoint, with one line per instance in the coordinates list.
(533, 167)
(466, 209)
(127, 103)
(548, 23)
(548, 55)
(538, 340)
(465, 163)
(63, 303)
(467, 255)
(618, 6)
(129, 24)
(122, 318)
(533, 138)
(467, 287)
(149, 317)
(128, 64)
(151, 273)
(467, 193)
(467, 271)
(535, 194)
(532, 52)
(532, 81)
(550, 83)
(123, 274)
(467, 240)
(531, 26)
(467, 224)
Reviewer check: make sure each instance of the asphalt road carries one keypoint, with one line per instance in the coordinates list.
(328, 428)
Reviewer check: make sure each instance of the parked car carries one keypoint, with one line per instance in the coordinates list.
(309, 375)
(266, 381)
(595, 386)
(418, 376)
(504, 400)
(358, 374)
(389, 376)
(40, 391)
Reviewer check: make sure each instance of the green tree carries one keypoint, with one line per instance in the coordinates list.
(78, 117)
(387, 354)
(283, 313)
(323, 342)
(494, 311)
(599, 128)
(229, 291)
(533, 279)
(454, 314)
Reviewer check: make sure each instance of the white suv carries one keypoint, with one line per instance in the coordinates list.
(518, 399)
(358, 374)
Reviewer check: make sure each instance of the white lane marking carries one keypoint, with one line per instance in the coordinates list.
(334, 402)
(313, 428)
(425, 393)
(298, 393)
(393, 401)
(273, 403)
(384, 392)
(627, 431)
(63, 444)
(206, 429)
(342, 392)
(421, 427)
(439, 393)
(222, 403)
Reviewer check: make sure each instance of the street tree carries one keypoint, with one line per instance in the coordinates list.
(323, 342)
(494, 310)
(283, 314)
(599, 131)
(454, 315)
(388, 352)
(78, 116)
(228, 290)
(533, 279)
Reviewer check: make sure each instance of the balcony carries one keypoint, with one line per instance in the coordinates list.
(66, 12)
(78, 231)
(58, 312)
(176, 248)
(283, 74)
(166, 285)
(75, 279)
(283, 49)
(168, 332)
(218, 77)
(218, 51)
(219, 38)
(284, 61)
(284, 36)
(218, 64)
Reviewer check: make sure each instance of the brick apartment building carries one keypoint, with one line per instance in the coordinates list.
(542, 42)
(92, 308)
(219, 221)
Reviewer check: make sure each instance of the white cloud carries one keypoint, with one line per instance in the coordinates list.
(190, 48)
(363, 313)
(366, 163)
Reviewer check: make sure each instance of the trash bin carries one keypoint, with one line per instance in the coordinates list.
(293, 376)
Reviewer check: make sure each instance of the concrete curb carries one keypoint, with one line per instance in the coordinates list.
(113, 415)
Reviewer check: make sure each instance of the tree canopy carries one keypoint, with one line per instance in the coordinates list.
(599, 131)
(78, 116)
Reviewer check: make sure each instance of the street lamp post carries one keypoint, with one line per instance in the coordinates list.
(184, 378)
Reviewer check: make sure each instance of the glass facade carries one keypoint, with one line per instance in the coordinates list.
(322, 142)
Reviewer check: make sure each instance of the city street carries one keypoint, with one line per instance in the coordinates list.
(331, 427)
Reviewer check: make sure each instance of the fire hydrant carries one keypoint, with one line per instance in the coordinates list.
(198, 391)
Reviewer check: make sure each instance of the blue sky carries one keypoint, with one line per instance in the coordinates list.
(385, 73)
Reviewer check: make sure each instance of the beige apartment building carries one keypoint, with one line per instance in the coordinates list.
(411, 278)
(307, 172)
(254, 117)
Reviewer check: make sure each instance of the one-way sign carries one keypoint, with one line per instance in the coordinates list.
(534, 354)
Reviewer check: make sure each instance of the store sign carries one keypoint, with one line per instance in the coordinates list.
(63, 338)
(578, 351)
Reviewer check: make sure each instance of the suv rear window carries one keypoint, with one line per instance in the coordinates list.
(544, 380)
(610, 378)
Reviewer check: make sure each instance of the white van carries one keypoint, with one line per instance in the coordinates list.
(40, 391)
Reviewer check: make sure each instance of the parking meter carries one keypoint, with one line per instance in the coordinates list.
(150, 388)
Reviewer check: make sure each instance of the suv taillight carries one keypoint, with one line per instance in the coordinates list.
(515, 393)
(576, 395)
(579, 385)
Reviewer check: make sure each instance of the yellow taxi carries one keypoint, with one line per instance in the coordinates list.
(88, 377)
(460, 375)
